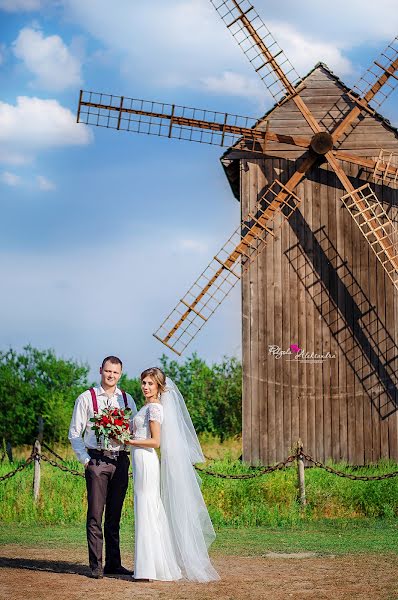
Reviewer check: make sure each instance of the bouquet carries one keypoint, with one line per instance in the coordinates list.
(111, 423)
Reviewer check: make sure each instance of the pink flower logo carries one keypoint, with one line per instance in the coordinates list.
(294, 348)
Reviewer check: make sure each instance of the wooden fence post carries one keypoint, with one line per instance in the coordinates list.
(36, 472)
(9, 451)
(37, 451)
(301, 473)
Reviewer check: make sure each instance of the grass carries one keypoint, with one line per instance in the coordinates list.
(267, 501)
(324, 538)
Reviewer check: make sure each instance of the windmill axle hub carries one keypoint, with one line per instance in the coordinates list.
(322, 142)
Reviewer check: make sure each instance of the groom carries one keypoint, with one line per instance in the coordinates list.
(106, 471)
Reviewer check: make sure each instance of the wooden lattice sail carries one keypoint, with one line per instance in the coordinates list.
(382, 73)
(220, 276)
(377, 228)
(166, 120)
(181, 122)
(385, 169)
(260, 47)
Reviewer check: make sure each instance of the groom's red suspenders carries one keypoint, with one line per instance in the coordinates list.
(95, 403)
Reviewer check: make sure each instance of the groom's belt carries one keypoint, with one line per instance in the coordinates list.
(112, 454)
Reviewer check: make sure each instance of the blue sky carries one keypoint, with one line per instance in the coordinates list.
(102, 231)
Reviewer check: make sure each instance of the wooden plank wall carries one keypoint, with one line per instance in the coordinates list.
(328, 102)
(318, 285)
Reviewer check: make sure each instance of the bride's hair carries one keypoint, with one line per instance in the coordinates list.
(158, 375)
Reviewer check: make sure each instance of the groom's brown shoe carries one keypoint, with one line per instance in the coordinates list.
(97, 573)
(117, 571)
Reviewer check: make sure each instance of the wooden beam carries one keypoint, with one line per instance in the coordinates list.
(256, 135)
(307, 114)
(367, 163)
(269, 58)
(355, 112)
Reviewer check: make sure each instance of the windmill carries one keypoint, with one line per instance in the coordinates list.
(309, 153)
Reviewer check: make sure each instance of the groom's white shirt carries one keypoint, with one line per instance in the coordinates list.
(82, 414)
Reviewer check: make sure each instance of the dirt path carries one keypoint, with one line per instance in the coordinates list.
(37, 574)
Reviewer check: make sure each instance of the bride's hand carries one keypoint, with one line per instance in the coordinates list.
(130, 442)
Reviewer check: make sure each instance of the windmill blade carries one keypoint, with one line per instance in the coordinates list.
(373, 88)
(220, 276)
(380, 80)
(181, 122)
(260, 47)
(161, 119)
(376, 227)
(264, 53)
(382, 234)
(384, 169)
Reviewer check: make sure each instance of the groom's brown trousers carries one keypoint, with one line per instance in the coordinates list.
(106, 482)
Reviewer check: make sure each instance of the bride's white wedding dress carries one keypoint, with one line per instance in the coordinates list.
(154, 556)
(172, 526)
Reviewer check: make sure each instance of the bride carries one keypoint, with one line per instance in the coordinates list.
(173, 530)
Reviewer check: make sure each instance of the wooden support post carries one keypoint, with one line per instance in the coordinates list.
(9, 451)
(300, 473)
(40, 430)
(37, 451)
(36, 472)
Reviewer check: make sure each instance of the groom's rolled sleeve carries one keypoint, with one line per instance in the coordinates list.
(77, 427)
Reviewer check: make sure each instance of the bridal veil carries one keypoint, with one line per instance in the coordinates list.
(191, 529)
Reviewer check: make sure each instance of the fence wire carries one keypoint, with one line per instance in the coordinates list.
(18, 469)
(300, 454)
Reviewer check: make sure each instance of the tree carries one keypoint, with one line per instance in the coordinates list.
(36, 383)
(132, 387)
(213, 394)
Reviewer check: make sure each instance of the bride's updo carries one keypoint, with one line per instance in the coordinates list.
(157, 375)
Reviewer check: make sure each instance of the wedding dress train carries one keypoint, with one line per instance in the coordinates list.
(173, 530)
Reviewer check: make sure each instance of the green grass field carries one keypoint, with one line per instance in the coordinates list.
(326, 537)
(266, 501)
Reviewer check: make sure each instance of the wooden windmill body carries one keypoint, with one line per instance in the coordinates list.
(316, 249)
(320, 287)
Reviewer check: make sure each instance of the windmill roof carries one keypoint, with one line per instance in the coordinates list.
(231, 164)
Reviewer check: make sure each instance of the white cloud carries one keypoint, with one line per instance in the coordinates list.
(45, 184)
(48, 59)
(304, 52)
(34, 124)
(11, 179)
(234, 84)
(196, 50)
(20, 5)
(194, 45)
(316, 21)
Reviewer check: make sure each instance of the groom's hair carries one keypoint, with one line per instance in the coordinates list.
(113, 359)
